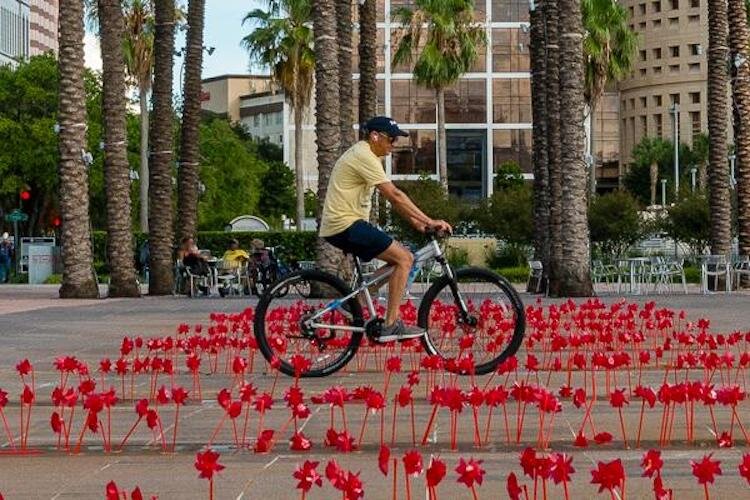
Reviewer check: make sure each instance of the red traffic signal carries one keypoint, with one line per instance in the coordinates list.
(56, 222)
(25, 195)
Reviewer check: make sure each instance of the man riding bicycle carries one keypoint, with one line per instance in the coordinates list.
(346, 211)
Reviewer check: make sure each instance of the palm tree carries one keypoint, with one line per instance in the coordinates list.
(575, 271)
(188, 174)
(609, 51)
(284, 43)
(116, 169)
(539, 140)
(327, 125)
(368, 32)
(552, 104)
(77, 255)
(344, 36)
(447, 40)
(738, 43)
(161, 234)
(652, 151)
(718, 168)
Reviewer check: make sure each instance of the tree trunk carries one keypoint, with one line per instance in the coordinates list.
(738, 41)
(299, 169)
(718, 169)
(116, 168)
(368, 32)
(653, 171)
(327, 125)
(539, 139)
(344, 35)
(189, 172)
(592, 152)
(161, 234)
(575, 273)
(442, 140)
(77, 255)
(551, 13)
(143, 175)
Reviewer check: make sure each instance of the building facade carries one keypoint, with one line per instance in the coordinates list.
(43, 26)
(15, 17)
(221, 95)
(669, 79)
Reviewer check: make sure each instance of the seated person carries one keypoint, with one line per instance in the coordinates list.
(191, 258)
(235, 256)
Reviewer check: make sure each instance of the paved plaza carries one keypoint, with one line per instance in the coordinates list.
(34, 324)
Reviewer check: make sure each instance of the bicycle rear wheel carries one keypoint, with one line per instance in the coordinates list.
(280, 329)
(495, 306)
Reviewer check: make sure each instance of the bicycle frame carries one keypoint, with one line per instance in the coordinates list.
(431, 250)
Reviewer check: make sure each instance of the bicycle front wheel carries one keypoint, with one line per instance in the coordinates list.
(282, 324)
(496, 323)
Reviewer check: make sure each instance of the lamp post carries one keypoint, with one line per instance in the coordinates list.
(664, 193)
(693, 170)
(732, 180)
(675, 110)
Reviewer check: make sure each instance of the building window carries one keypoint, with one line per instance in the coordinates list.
(643, 101)
(695, 97)
(466, 102)
(411, 103)
(694, 19)
(695, 49)
(644, 126)
(642, 9)
(279, 117)
(695, 3)
(642, 25)
(656, 23)
(694, 68)
(512, 145)
(674, 21)
(416, 154)
(674, 68)
(674, 51)
(632, 103)
(511, 101)
(657, 100)
(657, 53)
(256, 120)
(510, 50)
(642, 54)
(379, 51)
(695, 123)
(643, 71)
(631, 10)
(674, 4)
(656, 70)
(658, 128)
(503, 11)
(656, 7)
(674, 98)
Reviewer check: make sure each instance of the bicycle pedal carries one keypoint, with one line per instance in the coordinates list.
(374, 327)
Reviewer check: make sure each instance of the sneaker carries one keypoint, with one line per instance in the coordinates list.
(399, 331)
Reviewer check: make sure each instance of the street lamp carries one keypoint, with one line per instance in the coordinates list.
(664, 193)
(693, 170)
(675, 110)
(732, 180)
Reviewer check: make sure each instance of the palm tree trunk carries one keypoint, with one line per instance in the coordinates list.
(327, 125)
(77, 256)
(189, 172)
(718, 168)
(344, 35)
(161, 234)
(442, 140)
(653, 180)
(575, 272)
(738, 41)
(539, 139)
(116, 169)
(299, 169)
(367, 60)
(553, 144)
(143, 175)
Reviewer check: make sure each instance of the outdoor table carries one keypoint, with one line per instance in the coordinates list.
(633, 263)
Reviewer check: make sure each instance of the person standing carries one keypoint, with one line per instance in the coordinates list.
(6, 257)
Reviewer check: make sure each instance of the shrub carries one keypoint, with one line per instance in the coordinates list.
(510, 255)
(508, 215)
(689, 221)
(614, 222)
(458, 257)
(508, 176)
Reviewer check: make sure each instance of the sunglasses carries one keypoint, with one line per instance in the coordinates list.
(392, 140)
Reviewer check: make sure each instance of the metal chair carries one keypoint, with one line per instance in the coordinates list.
(603, 273)
(740, 268)
(229, 277)
(716, 266)
(536, 272)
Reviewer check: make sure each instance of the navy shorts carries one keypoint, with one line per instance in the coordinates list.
(361, 239)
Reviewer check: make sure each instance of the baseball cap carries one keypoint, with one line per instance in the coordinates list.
(386, 125)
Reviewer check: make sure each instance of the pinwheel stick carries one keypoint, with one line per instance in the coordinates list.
(125, 439)
(7, 429)
(176, 421)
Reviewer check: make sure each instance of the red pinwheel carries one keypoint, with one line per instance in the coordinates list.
(308, 476)
(618, 399)
(207, 463)
(111, 491)
(435, 474)
(384, 457)
(744, 467)
(705, 470)
(412, 467)
(652, 463)
(470, 472)
(514, 490)
(603, 438)
(299, 442)
(609, 476)
(264, 441)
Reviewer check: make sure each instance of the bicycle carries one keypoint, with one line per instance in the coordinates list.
(326, 335)
(266, 267)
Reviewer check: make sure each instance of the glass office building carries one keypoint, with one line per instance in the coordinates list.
(488, 112)
(14, 31)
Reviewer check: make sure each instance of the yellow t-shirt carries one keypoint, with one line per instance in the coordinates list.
(350, 189)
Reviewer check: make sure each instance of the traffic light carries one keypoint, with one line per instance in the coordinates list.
(56, 222)
(25, 195)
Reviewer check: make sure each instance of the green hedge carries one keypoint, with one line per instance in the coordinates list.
(297, 245)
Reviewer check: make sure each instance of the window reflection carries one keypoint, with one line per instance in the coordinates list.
(504, 11)
(380, 106)
(512, 145)
(411, 103)
(415, 154)
(511, 101)
(510, 50)
(466, 102)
